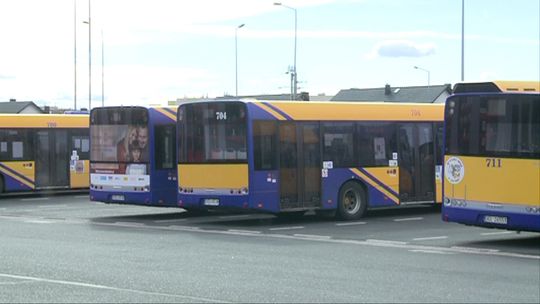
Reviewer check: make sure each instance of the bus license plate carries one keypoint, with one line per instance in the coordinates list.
(211, 202)
(501, 220)
(118, 197)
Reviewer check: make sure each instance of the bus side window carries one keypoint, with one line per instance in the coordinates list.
(264, 145)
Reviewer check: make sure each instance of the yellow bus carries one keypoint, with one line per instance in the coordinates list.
(492, 155)
(330, 157)
(43, 152)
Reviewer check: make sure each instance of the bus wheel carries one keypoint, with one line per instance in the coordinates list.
(352, 201)
(1, 184)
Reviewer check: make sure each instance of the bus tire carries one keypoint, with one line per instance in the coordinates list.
(1, 184)
(352, 203)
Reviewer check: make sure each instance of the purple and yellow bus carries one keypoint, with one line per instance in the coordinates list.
(282, 157)
(43, 152)
(133, 155)
(492, 155)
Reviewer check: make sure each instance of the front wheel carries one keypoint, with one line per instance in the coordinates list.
(352, 201)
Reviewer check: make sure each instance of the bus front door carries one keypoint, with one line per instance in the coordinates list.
(416, 162)
(299, 165)
(52, 159)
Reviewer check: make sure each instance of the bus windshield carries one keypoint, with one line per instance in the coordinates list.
(119, 135)
(213, 132)
(507, 125)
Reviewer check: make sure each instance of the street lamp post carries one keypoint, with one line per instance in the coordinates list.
(294, 74)
(89, 58)
(75, 54)
(236, 54)
(102, 70)
(462, 40)
(419, 68)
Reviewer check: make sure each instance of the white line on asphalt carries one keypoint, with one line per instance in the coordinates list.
(130, 224)
(430, 251)
(89, 285)
(37, 221)
(351, 223)
(184, 227)
(475, 249)
(170, 220)
(286, 228)
(386, 242)
(497, 232)
(371, 242)
(243, 231)
(17, 283)
(408, 219)
(442, 237)
(313, 236)
(34, 199)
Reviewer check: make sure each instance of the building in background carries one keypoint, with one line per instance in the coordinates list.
(424, 94)
(20, 107)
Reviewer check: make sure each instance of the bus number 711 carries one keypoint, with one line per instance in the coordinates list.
(493, 162)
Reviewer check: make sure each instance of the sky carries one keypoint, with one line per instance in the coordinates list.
(160, 50)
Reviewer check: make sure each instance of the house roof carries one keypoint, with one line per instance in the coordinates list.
(426, 94)
(15, 107)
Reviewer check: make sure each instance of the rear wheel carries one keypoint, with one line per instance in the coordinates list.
(1, 184)
(352, 201)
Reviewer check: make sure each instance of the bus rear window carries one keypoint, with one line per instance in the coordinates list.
(498, 126)
(119, 135)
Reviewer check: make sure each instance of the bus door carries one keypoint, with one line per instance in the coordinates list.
(300, 165)
(416, 162)
(52, 159)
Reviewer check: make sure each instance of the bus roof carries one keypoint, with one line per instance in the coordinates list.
(344, 110)
(497, 86)
(43, 121)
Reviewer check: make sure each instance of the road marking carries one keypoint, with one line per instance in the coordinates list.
(497, 232)
(243, 231)
(130, 224)
(430, 251)
(313, 236)
(369, 242)
(185, 227)
(408, 219)
(351, 223)
(82, 196)
(38, 221)
(170, 220)
(90, 285)
(475, 249)
(17, 282)
(34, 199)
(286, 228)
(386, 242)
(431, 238)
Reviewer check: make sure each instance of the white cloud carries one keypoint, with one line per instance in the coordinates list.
(401, 48)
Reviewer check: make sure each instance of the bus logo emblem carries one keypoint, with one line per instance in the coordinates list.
(454, 170)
